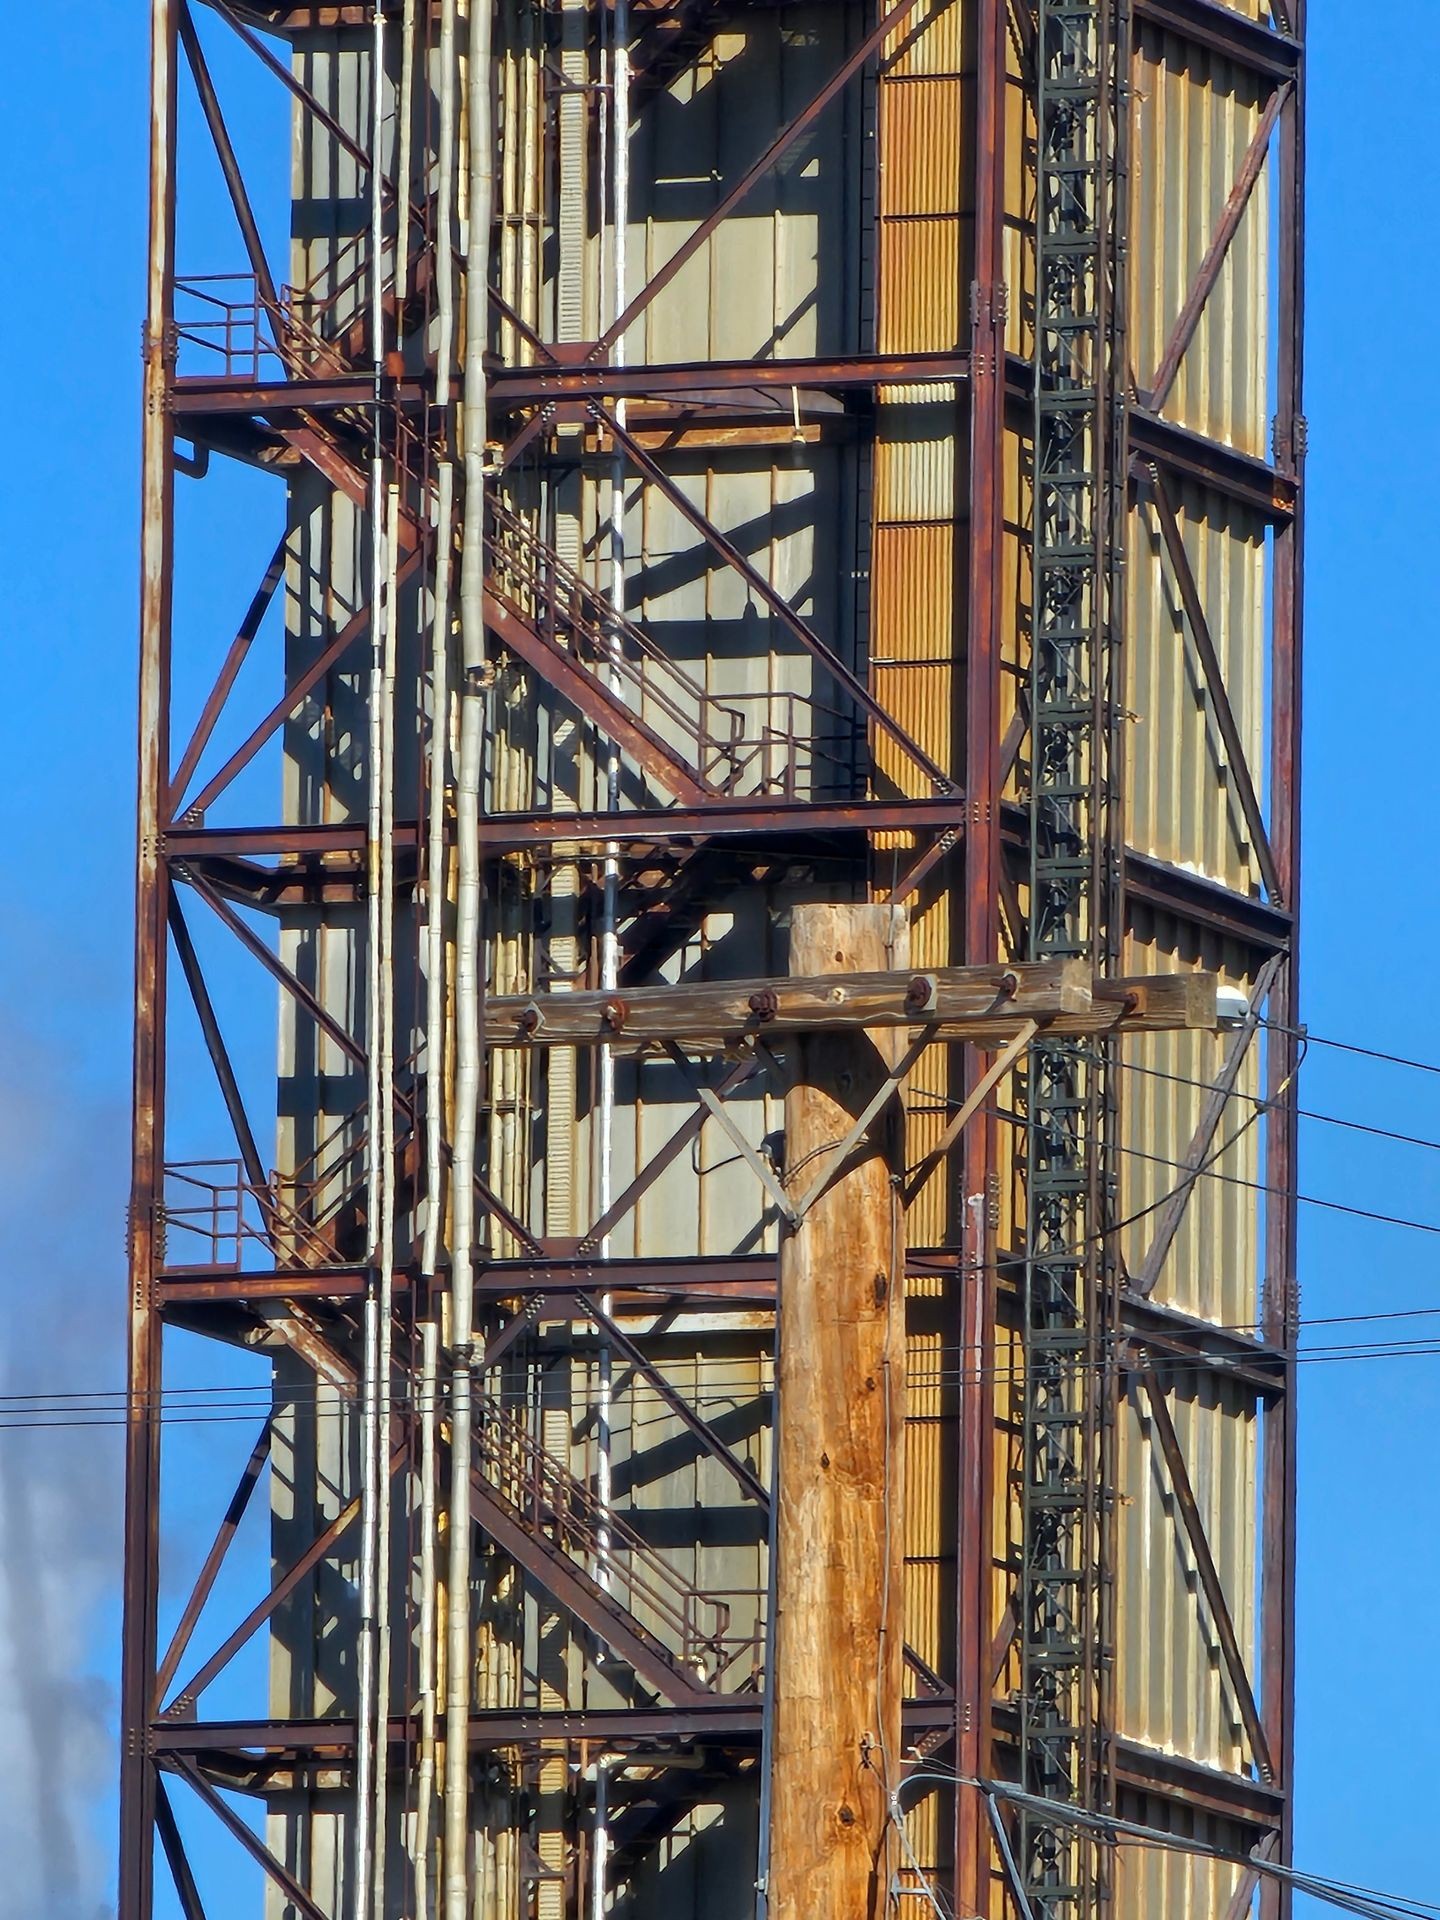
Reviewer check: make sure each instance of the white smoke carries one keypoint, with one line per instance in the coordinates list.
(63, 1150)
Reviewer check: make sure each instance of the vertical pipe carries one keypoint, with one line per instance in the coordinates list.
(142, 1426)
(981, 941)
(435, 980)
(469, 981)
(1279, 1311)
(386, 1230)
(373, 1488)
(609, 929)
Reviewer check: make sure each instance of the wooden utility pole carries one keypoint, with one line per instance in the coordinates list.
(839, 1535)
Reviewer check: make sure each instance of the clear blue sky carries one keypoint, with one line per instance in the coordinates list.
(72, 213)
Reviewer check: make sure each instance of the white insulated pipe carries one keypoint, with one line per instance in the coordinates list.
(609, 924)
(371, 1469)
(435, 1005)
(468, 961)
(386, 1235)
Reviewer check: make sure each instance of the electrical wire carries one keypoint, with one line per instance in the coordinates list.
(41, 1418)
(1301, 1113)
(1346, 1895)
(1350, 1046)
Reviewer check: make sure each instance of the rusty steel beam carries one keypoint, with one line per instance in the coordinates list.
(1240, 477)
(983, 857)
(229, 163)
(1203, 903)
(178, 1861)
(184, 1702)
(214, 1559)
(1190, 1783)
(225, 680)
(716, 1719)
(196, 396)
(285, 707)
(743, 1475)
(141, 1576)
(273, 1869)
(215, 1043)
(296, 87)
(601, 380)
(1279, 1306)
(563, 672)
(1208, 23)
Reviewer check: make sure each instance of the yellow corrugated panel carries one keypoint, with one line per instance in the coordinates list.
(925, 1523)
(937, 38)
(1182, 794)
(1195, 114)
(1172, 1688)
(920, 121)
(1212, 1268)
(1150, 1881)
(920, 272)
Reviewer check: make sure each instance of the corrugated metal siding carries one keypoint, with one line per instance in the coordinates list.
(1212, 1269)
(1172, 1691)
(1182, 795)
(917, 597)
(1195, 114)
(1150, 1881)
(775, 278)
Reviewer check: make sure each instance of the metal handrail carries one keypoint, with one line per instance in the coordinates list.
(553, 1501)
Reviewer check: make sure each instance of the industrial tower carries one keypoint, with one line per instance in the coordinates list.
(775, 1238)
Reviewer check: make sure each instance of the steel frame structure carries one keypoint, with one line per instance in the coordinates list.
(308, 404)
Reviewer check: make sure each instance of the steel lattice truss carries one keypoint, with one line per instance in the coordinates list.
(1018, 821)
(1074, 909)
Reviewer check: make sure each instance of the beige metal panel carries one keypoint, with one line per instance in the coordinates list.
(1172, 1689)
(1195, 114)
(1182, 798)
(1150, 1881)
(771, 280)
(1212, 1270)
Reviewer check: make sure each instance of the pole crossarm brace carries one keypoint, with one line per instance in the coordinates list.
(987, 1005)
(1172, 1213)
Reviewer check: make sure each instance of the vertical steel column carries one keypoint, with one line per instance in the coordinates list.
(1078, 460)
(142, 1425)
(982, 890)
(1280, 1307)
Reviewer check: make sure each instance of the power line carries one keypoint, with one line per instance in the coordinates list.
(1349, 1046)
(1346, 1895)
(1302, 1113)
(39, 1418)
